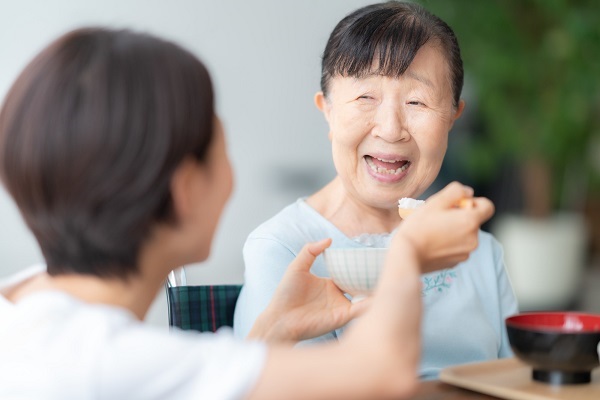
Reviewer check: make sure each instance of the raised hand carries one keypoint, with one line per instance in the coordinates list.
(305, 306)
(443, 233)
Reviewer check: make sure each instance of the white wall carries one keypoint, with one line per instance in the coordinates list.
(264, 57)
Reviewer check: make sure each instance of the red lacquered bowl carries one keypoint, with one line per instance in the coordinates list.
(561, 347)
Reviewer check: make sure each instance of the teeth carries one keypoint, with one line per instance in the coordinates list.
(381, 170)
(387, 161)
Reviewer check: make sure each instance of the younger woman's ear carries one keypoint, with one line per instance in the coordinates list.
(183, 183)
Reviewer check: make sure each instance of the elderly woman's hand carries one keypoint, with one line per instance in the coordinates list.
(442, 233)
(304, 305)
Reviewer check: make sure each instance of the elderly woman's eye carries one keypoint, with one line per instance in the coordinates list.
(365, 96)
(415, 103)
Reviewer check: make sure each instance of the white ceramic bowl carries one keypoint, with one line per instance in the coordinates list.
(355, 271)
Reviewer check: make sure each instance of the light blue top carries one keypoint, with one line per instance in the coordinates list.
(464, 307)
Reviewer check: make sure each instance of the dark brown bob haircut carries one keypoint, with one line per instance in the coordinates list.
(391, 34)
(90, 135)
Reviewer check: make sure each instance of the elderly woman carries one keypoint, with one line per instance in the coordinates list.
(110, 147)
(390, 91)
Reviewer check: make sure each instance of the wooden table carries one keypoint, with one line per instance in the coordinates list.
(506, 378)
(436, 390)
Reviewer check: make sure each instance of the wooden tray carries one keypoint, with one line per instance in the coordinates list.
(511, 379)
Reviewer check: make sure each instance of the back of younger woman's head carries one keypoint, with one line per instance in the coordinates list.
(388, 36)
(90, 135)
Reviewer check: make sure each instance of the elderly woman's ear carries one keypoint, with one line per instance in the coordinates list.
(457, 113)
(322, 104)
(459, 110)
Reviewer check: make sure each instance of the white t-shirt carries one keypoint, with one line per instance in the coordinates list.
(53, 346)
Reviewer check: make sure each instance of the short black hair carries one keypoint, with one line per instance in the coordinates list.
(390, 33)
(90, 135)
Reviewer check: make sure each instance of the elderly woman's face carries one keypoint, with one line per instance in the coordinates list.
(388, 135)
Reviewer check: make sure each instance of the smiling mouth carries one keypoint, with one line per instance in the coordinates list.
(390, 167)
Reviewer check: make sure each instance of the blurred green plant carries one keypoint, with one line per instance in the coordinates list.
(535, 68)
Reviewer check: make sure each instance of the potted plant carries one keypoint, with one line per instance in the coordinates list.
(535, 70)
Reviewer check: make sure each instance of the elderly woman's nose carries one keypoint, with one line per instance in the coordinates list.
(390, 124)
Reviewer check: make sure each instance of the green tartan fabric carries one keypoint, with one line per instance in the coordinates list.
(202, 308)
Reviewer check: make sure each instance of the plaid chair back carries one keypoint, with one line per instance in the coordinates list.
(202, 308)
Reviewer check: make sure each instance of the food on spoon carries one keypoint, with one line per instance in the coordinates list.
(407, 205)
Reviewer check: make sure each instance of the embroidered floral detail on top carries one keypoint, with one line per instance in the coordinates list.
(438, 283)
